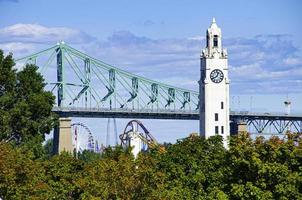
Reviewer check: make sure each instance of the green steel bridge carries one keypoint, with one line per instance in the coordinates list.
(87, 87)
(81, 81)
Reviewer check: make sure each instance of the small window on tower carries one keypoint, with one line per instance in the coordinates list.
(207, 40)
(215, 41)
(216, 129)
(222, 130)
(216, 116)
(222, 105)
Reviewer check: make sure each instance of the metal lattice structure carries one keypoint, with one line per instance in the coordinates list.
(268, 123)
(83, 82)
(82, 138)
(87, 87)
(279, 126)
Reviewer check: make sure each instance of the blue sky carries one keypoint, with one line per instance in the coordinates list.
(153, 38)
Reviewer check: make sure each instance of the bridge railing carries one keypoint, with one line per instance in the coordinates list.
(276, 115)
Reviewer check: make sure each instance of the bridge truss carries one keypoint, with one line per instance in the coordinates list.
(87, 87)
(83, 82)
(266, 123)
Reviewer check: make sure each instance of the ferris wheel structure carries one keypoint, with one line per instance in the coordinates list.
(82, 138)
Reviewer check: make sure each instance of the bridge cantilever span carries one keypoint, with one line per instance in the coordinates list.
(79, 80)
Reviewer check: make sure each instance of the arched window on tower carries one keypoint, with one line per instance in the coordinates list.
(215, 41)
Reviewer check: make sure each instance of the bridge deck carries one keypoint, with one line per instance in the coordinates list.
(265, 116)
(126, 113)
(163, 114)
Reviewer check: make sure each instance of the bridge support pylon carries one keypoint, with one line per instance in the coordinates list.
(238, 127)
(62, 140)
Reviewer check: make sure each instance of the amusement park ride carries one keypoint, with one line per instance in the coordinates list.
(82, 138)
(135, 135)
(89, 88)
(139, 138)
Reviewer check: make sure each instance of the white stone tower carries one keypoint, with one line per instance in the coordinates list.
(214, 87)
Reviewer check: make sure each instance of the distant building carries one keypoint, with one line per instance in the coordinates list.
(214, 86)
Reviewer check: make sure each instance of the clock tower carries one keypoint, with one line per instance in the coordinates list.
(214, 87)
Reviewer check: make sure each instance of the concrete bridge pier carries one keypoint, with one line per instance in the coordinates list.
(238, 126)
(62, 140)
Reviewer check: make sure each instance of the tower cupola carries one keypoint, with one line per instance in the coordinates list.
(214, 46)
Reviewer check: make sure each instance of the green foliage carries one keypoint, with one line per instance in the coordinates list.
(25, 108)
(48, 148)
(89, 156)
(265, 169)
(61, 173)
(193, 168)
(21, 177)
(114, 153)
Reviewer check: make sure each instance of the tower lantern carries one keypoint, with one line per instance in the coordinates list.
(214, 38)
(214, 86)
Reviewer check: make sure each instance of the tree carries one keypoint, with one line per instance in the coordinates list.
(112, 177)
(192, 166)
(25, 108)
(61, 172)
(48, 148)
(89, 156)
(265, 169)
(21, 177)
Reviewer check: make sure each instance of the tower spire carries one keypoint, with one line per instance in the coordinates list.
(213, 20)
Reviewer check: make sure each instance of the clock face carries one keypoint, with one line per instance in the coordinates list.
(216, 76)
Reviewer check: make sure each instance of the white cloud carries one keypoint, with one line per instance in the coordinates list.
(17, 47)
(35, 33)
(197, 37)
(245, 70)
(292, 61)
(264, 64)
(257, 65)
